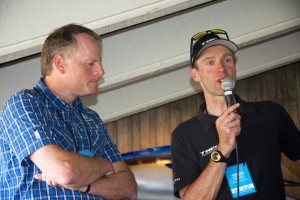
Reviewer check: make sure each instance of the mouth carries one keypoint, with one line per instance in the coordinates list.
(220, 80)
(95, 80)
(94, 83)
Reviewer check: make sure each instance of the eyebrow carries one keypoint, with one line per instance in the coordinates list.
(208, 58)
(212, 57)
(228, 54)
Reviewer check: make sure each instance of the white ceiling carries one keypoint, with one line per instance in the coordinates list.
(146, 43)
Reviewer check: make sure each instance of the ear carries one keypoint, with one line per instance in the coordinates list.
(59, 63)
(194, 74)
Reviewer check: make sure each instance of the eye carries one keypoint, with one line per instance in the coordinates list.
(210, 63)
(228, 60)
(90, 64)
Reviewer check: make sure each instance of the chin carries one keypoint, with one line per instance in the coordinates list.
(94, 91)
(89, 92)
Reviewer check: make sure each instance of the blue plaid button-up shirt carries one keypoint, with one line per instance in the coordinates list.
(32, 119)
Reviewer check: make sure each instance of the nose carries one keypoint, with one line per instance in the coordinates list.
(100, 70)
(220, 66)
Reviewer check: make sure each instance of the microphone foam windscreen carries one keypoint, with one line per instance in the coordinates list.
(227, 83)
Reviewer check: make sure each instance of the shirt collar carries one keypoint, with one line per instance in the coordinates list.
(44, 92)
(203, 117)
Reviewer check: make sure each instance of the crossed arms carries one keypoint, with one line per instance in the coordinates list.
(74, 171)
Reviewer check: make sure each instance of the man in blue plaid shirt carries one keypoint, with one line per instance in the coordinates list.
(51, 146)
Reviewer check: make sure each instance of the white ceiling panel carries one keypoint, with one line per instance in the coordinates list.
(27, 23)
(146, 47)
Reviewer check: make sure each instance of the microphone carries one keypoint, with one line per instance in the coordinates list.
(228, 85)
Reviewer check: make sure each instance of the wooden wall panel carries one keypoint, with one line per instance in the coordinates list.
(153, 127)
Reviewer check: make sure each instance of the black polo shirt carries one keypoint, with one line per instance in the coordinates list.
(266, 131)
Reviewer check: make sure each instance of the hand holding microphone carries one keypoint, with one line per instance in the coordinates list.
(228, 124)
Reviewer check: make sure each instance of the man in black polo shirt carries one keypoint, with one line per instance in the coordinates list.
(229, 151)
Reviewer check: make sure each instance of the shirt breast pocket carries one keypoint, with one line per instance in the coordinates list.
(98, 141)
(64, 139)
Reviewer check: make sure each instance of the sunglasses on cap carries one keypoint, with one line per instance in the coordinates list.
(199, 40)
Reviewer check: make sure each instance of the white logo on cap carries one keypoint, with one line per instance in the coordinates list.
(204, 43)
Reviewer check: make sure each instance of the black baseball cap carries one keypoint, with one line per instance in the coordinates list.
(208, 40)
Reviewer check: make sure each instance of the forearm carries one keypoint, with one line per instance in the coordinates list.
(121, 185)
(88, 170)
(69, 168)
(207, 185)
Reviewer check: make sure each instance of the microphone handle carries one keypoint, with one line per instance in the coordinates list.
(229, 98)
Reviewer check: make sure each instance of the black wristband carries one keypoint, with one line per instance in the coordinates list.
(88, 188)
